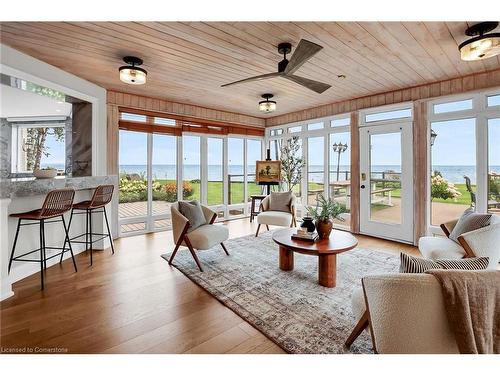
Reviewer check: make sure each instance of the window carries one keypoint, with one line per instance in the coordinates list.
(493, 100)
(460, 105)
(494, 165)
(388, 115)
(275, 148)
(36, 146)
(295, 129)
(254, 153)
(346, 121)
(275, 132)
(191, 178)
(453, 169)
(215, 183)
(340, 172)
(315, 126)
(133, 117)
(235, 150)
(164, 121)
(315, 169)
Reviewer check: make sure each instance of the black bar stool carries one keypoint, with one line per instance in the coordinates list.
(56, 204)
(101, 197)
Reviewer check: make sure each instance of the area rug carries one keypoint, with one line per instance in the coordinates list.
(290, 308)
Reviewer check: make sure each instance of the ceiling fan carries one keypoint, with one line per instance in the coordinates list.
(304, 51)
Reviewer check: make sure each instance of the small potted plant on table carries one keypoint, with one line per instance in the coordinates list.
(324, 213)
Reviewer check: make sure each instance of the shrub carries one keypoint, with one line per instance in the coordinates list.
(441, 188)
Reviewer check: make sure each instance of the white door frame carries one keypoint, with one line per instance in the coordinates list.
(403, 231)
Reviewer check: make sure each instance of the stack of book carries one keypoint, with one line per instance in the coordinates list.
(303, 235)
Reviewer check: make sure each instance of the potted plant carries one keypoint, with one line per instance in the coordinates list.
(325, 211)
(45, 172)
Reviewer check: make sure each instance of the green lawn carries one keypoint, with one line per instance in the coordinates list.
(464, 199)
(215, 191)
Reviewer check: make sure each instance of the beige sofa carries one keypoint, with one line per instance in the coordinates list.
(483, 242)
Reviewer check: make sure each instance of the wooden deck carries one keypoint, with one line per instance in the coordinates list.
(134, 209)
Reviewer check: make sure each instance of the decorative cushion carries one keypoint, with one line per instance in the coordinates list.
(207, 236)
(468, 222)
(440, 248)
(282, 219)
(193, 212)
(410, 264)
(280, 201)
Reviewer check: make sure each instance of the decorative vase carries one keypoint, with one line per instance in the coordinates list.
(324, 228)
(308, 224)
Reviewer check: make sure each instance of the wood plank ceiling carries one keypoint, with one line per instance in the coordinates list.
(188, 61)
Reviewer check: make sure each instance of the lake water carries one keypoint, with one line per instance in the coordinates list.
(453, 173)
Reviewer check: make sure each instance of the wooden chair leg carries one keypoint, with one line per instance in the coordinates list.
(175, 251)
(267, 226)
(257, 233)
(193, 253)
(358, 329)
(224, 247)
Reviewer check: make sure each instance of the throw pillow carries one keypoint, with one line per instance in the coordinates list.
(193, 212)
(469, 221)
(410, 264)
(280, 201)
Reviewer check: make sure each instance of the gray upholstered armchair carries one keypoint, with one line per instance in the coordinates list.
(283, 217)
(204, 237)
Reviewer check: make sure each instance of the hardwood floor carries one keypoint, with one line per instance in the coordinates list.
(132, 302)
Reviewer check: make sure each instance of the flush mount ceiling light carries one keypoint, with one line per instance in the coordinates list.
(482, 45)
(267, 106)
(131, 73)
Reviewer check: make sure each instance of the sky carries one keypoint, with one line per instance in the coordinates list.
(56, 149)
(454, 145)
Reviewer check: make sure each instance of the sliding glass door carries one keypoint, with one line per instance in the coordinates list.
(163, 179)
(191, 173)
(215, 183)
(133, 185)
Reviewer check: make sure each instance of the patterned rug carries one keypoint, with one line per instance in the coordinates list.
(290, 308)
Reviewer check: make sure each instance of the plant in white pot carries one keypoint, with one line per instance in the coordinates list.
(324, 213)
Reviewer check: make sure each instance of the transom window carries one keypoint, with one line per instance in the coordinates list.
(455, 106)
(295, 129)
(388, 115)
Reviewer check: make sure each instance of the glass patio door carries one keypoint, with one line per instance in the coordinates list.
(386, 181)
(148, 181)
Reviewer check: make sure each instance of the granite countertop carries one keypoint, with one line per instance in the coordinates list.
(30, 186)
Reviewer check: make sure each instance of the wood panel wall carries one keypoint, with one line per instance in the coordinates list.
(420, 160)
(459, 85)
(355, 172)
(166, 106)
(112, 139)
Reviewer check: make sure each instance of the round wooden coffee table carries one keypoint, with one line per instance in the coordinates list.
(325, 250)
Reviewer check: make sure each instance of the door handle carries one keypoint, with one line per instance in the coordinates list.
(362, 186)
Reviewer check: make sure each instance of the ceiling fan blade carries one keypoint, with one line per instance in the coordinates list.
(304, 51)
(256, 78)
(315, 86)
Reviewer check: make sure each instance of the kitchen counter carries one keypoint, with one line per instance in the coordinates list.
(28, 193)
(31, 186)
